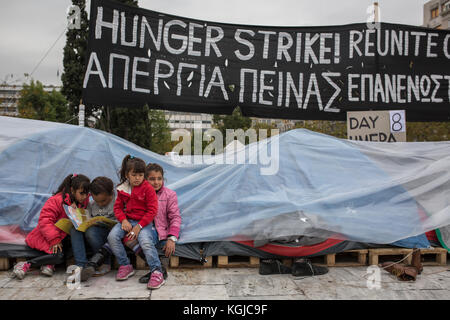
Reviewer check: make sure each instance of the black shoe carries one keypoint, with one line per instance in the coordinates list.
(273, 266)
(99, 258)
(87, 272)
(304, 268)
(146, 278)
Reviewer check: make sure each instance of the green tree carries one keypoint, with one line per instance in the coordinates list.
(74, 61)
(36, 103)
(265, 126)
(337, 129)
(234, 121)
(147, 128)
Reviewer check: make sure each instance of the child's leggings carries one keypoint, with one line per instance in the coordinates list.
(47, 259)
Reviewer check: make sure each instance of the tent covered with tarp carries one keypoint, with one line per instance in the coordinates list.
(299, 193)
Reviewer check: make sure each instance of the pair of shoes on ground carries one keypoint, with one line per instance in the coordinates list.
(22, 268)
(146, 278)
(156, 279)
(90, 271)
(301, 268)
(405, 272)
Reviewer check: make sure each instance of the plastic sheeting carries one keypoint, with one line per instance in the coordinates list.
(297, 183)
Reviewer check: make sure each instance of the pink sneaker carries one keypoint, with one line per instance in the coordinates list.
(20, 269)
(156, 280)
(48, 270)
(124, 272)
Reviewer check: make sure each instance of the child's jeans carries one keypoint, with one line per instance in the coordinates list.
(96, 236)
(147, 239)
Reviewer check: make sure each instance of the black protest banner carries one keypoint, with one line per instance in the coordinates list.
(138, 57)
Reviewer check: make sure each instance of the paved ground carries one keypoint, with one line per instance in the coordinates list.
(234, 283)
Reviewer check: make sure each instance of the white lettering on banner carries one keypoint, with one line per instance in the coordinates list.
(212, 41)
(324, 49)
(283, 47)
(417, 46)
(447, 46)
(184, 40)
(263, 87)
(327, 76)
(136, 72)
(396, 88)
(159, 75)
(284, 68)
(354, 43)
(251, 47)
(146, 27)
(216, 74)
(431, 44)
(309, 52)
(266, 42)
(437, 84)
(448, 84)
(180, 70)
(255, 84)
(113, 56)
(94, 59)
(290, 86)
(313, 83)
(123, 40)
(193, 40)
(114, 25)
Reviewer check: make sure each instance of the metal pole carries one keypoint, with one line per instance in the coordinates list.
(81, 114)
(376, 8)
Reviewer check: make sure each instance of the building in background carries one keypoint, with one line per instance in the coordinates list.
(282, 125)
(436, 14)
(185, 120)
(10, 95)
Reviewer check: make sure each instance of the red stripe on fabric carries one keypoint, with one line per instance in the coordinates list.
(12, 234)
(294, 251)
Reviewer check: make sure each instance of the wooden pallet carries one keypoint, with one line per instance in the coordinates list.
(440, 255)
(180, 262)
(4, 264)
(440, 258)
(349, 258)
(237, 262)
(376, 254)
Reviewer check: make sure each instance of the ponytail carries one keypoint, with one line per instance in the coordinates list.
(131, 163)
(73, 181)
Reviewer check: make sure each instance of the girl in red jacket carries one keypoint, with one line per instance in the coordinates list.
(45, 237)
(135, 207)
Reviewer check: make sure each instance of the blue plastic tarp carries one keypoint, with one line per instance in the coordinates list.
(295, 183)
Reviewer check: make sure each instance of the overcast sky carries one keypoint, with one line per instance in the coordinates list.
(29, 28)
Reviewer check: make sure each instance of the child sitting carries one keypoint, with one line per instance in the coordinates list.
(102, 192)
(168, 219)
(135, 208)
(46, 237)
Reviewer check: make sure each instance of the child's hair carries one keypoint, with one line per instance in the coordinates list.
(74, 181)
(154, 167)
(102, 185)
(131, 163)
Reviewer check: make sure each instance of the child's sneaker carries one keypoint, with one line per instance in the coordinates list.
(124, 272)
(20, 269)
(48, 270)
(102, 270)
(156, 280)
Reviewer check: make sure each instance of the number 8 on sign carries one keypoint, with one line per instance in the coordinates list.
(397, 121)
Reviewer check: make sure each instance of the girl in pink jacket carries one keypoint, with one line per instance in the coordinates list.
(46, 237)
(167, 220)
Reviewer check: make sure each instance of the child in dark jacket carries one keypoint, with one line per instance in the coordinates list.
(136, 206)
(46, 237)
(102, 192)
